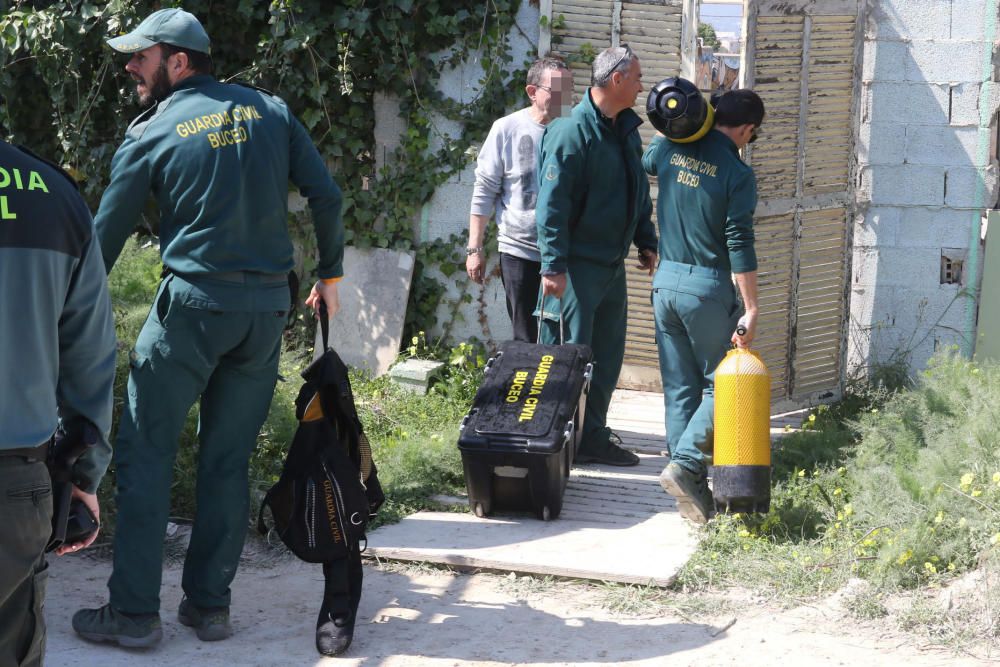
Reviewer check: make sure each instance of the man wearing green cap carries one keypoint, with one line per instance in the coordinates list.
(217, 158)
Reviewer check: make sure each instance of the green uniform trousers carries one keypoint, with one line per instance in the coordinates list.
(696, 312)
(26, 508)
(594, 308)
(193, 345)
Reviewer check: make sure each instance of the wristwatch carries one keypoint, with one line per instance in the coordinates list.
(474, 251)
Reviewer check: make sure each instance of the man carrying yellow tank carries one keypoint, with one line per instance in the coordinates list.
(707, 196)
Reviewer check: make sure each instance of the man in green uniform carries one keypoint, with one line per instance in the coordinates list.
(57, 362)
(593, 204)
(218, 159)
(707, 196)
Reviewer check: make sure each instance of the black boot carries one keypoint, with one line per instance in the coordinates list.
(334, 632)
(335, 625)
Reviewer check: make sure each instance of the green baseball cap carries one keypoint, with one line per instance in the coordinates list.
(167, 26)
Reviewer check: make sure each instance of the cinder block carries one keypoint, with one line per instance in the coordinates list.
(945, 146)
(416, 375)
(895, 267)
(969, 187)
(881, 143)
(884, 61)
(931, 312)
(935, 227)
(877, 226)
(920, 103)
(910, 19)
(968, 19)
(903, 185)
(967, 104)
(944, 61)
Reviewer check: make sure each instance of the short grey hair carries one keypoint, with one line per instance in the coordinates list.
(543, 65)
(610, 60)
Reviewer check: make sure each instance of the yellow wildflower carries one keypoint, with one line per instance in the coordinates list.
(966, 481)
(930, 568)
(848, 509)
(995, 538)
(940, 517)
(951, 567)
(996, 477)
(744, 533)
(841, 470)
(837, 491)
(812, 418)
(904, 557)
(802, 473)
(977, 492)
(962, 522)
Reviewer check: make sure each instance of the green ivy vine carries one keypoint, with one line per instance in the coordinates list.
(65, 95)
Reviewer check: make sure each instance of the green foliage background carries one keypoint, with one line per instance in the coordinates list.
(67, 97)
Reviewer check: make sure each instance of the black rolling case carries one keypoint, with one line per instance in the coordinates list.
(519, 439)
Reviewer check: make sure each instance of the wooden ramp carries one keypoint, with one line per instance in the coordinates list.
(616, 524)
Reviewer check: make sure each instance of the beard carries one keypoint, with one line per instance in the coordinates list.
(157, 90)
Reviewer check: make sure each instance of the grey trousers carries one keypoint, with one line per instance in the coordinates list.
(26, 508)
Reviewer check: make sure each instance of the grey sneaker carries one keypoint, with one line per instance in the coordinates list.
(210, 623)
(694, 500)
(105, 624)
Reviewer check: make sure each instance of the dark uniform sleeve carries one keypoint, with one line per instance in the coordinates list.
(739, 223)
(645, 233)
(560, 174)
(123, 200)
(312, 178)
(651, 158)
(87, 358)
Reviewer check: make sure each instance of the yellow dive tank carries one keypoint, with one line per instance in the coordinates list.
(741, 481)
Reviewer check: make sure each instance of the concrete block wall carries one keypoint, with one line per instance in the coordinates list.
(447, 213)
(927, 169)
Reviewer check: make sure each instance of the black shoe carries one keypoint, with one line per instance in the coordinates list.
(211, 624)
(334, 633)
(106, 624)
(610, 452)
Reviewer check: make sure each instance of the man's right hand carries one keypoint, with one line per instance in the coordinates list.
(554, 285)
(749, 322)
(475, 267)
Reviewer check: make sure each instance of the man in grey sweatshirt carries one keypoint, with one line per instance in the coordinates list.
(507, 186)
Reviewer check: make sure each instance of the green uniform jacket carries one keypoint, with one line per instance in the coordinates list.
(593, 197)
(705, 203)
(57, 333)
(218, 158)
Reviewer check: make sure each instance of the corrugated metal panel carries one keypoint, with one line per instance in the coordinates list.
(774, 244)
(820, 301)
(653, 30)
(803, 54)
(778, 80)
(828, 145)
(581, 25)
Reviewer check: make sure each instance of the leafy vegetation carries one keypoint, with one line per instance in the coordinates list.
(330, 62)
(897, 486)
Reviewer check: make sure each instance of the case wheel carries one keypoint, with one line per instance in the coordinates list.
(478, 510)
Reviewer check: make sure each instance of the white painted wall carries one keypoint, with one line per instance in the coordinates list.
(447, 212)
(927, 170)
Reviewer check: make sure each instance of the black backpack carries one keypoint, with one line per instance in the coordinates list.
(328, 490)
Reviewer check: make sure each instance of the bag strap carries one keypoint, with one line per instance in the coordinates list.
(324, 324)
(261, 526)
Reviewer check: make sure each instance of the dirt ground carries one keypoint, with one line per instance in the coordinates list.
(421, 616)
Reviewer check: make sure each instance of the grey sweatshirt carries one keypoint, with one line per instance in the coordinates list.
(506, 182)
